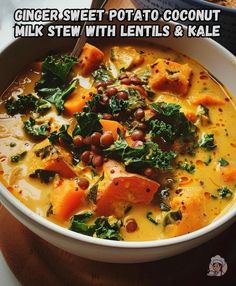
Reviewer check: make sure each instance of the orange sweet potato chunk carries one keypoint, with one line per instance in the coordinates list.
(170, 76)
(207, 99)
(229, 174)
(112, 126)
(66, 198)
(120, 188)
(77, 100)
(89, 59)
(59, 166)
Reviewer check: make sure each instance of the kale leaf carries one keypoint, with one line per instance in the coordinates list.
(102, 74)
(223, 162)
(88, 122)
(116, 105)
(186, 166)
(16, 158)
(148, 154)
(150, 218)
(45, 176)
(26, 103)
(135, 100)
(225, 192)
(207, 142)
(103, 227)
(170, 113)
(162, 129)
(172, 217)
(55, 71)
(53, 84)
(35, 130)
(58, 95)
(23, 104)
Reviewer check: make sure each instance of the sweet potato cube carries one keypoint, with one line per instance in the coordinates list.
(66, 198)
(46, 156)
(120, 188)
(77, 100)
(89, 60)
(126, 57)
(59, 166)
(170, 76)
(207, 99)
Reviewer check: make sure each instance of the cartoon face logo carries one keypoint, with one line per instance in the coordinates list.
(217, 266)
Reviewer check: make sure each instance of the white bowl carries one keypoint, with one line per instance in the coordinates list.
(211, 55)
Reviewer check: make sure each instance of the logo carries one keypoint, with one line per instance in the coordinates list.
(217, 267)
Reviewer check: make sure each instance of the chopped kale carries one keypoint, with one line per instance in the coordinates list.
(202, 110)
(26, 103)
(148, 154)
(108, 228)
(53, 85)
(23, 104)
(92, 194)
(58, 95)
(62, 134)
(225, 192)
(170, 114)
(116, 105)
(44, 176)
(145, 76)
(79, 223)
(55, 71)
(135, 100)
(161, 129)
(207, 142)
(88, 122)
(172, 217)
(102, 74)
(46, 151)
(188, 167)
(164, 207)
(223, 162)
(35, 130)
(150, 218)
(18, 157)
(103, 227)
(208, 161)
(161, 199)
(95, 104)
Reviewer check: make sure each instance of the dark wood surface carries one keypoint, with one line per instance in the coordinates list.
(38, 263)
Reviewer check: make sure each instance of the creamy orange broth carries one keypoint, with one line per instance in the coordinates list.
(200, 186)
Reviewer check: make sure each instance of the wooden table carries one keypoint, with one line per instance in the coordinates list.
(37, 263)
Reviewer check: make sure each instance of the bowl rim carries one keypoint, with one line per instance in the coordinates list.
(167, 242)
(216, 6)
